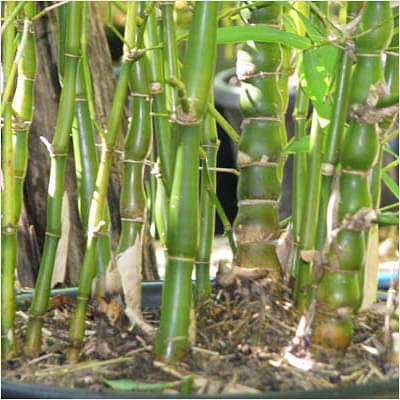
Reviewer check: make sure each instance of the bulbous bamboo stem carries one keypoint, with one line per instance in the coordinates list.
(339, 293)
(8, 212)
(172, 337)
(58, 153)
(263, 100)
(98, 203)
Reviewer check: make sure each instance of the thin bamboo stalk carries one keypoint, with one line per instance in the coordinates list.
(97, 207)
(86, 159)
(263, 102)
(156, 77)
(171, 69)
(210, 145)
(309, 218)
(299, 176)
(339, 293)
(8, 215)
(133, 197)
(162, 127)
(58, 154)
(302, 289)
(172, 337)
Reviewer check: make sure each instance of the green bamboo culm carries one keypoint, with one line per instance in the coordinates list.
(96, 221)
(303, 289)
(86, 159)
(162, 127)
(172, 340)
(309, 221)
(171, 70)
(299, 182)
(210, 145)
(392, 83)
(133, 197)
(335, 132)
(58, 154)
(339, 293)
(262, 102)
(8, 211)
(23, 106)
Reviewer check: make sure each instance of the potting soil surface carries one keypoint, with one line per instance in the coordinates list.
(248, 340)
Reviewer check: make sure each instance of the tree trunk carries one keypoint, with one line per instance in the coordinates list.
(47, 91)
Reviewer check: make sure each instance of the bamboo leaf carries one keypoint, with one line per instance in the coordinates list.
(301, 145)
(391, 165)
(289, 24)
(260, 33)
(129, 384)
(316, 77)
(311, 30)
(390, 183)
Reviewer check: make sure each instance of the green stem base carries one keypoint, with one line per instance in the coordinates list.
(331, 332)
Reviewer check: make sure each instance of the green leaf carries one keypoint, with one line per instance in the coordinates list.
(260, 33)
(301, 145)
(392, 164)
(311, 30)
(316, 77)
(289, 24)
(390, 183)
(129, 384)
(387, 149)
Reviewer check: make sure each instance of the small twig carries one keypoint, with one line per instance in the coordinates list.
(49, 8)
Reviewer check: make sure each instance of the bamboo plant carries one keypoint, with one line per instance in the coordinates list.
(98, 202)
(172, 340)
(339, 293)
(8, 211)
(263, 102)
(58, 154)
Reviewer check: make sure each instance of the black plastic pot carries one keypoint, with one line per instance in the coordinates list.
(151, 298)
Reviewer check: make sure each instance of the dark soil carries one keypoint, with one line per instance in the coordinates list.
(246, 342)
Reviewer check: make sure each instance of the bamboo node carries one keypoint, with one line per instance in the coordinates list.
(156, 87)
(143, 95)
(52, 234)
(256, 202)
(135, 220)
(202, 262)
(72, 55)
(328, 169)
(355, 172)
(264, 161)
(19, 124)
(180, 258)
(360, 220)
